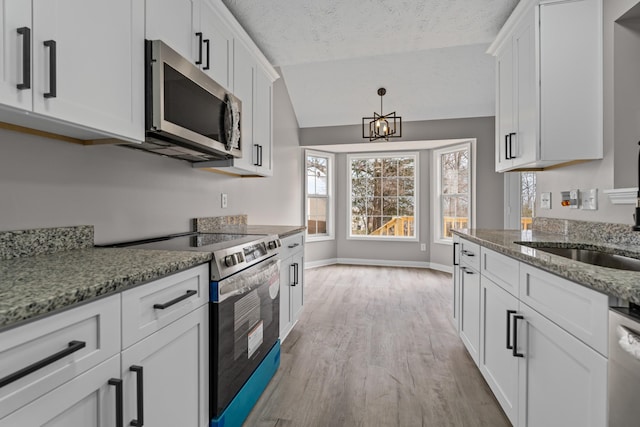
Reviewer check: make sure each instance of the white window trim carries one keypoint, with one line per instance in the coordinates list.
(331, 234)
(416, 155)
(437, 218)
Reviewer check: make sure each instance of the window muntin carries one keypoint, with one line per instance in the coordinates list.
(318, 183)
(382, 196)
(454, 189)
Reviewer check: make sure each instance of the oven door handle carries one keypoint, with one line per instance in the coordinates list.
(249, 279)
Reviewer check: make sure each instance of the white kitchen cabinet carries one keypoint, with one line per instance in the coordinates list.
(562, 381)
(291, 282)
(497, 362)
(244, 80)
(470, 310)
(172, 366)
(456, 282)
(88, 400)
(86, 64)
(549, 85)
(218, 44)
(176, 23)
(16, 15)
(262, 123)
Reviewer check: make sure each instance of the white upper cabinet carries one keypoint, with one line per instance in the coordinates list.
(244, 78)
(262, 122)
(176, 23)
(82, 72)
(217, 45)
(549, 85)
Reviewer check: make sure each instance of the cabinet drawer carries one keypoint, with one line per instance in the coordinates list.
(504, 271)
(580, 311)
(470, 254)
(142, 312)
(291, 245)
(97, 325)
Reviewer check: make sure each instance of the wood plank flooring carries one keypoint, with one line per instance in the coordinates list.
(375, 346)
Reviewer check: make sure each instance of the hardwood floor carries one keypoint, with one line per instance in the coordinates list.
(375, 346)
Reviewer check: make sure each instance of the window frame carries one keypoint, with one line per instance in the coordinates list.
(330, 223)
(437, 197)
(416, 177)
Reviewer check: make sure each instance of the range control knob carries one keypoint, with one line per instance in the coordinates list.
(274, 244)
(231, 260)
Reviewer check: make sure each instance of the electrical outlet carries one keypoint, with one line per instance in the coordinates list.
(224, 200)
(423, 247)
(545, 201)
(574, 199)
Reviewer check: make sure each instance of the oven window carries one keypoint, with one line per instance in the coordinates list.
(188, 105)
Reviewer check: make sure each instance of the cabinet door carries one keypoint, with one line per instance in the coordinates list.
(218, 47)
(262, 132)
(175, 22)
(562, 381)
(175, 374)
(524, 144)
(470, 311)
(98, 61)
(244, 68)
(497, 363)
(297, 286)
(88, 400)
(15, 14)
(504, 106)
(456, 282)
(285, 297)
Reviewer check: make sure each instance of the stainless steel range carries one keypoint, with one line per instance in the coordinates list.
(244, 313)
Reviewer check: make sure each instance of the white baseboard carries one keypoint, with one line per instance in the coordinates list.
(379, 263)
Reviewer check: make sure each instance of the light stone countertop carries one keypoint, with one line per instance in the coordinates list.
(622, 284)
(33, 286)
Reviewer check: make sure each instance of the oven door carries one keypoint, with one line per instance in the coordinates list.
(244, 325)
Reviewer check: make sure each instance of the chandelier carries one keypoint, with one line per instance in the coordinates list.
(382, 126)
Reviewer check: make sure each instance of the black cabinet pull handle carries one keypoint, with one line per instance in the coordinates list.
(468, 271)
(511, 135)
(260, 146)
(206, 67)
(175, 300)
(118, 385)
(509, 313)
(257, 162)
(293, 246)
(25, 32)
(297, 280)
(515, 336)
(73, 347)
(199, 36)
(468, 253)
(454, 253)
(139, 422)
(506, 147)
(292, 276)
(53, 78)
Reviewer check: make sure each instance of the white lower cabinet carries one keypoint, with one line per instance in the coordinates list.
(539, 345)
(166, 375)
(88, 400)
(291, 282)
(456, 283)
(497, 363)
(562, 381)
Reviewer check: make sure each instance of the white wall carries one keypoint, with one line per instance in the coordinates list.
(127, 194)
(619, 155)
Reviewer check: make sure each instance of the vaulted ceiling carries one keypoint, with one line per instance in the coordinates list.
(335, 54)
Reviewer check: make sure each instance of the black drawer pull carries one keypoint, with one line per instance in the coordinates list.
(467, 253)
(509, 313)
(293, 246)
(515, 336)
(454, 253)
(73, 347)
(118, 384)
(25, 32)
(53, 92)
(139, 422)
(175, 301)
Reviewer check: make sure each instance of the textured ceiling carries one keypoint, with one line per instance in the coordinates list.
(334, 54)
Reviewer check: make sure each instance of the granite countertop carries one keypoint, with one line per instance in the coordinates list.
(32, 286)
(238, 224)
(281, 230)
(623, 284)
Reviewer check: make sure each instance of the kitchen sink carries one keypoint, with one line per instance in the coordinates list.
(588, 256)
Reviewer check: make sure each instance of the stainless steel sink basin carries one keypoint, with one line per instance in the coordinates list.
(589, 256)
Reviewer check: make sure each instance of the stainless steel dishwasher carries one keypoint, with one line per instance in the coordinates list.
(624, 366)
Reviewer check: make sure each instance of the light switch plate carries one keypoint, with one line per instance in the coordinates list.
(574, 199)
(590, 199)
(224, 201)
(545, 201)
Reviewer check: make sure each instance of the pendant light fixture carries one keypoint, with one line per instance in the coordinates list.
(382, 126)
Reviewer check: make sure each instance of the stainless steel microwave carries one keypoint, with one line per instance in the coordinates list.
(188, 115)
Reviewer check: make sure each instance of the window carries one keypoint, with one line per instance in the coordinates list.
(453, 204)
(383, 196)
(318, 188)
(527, 199)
